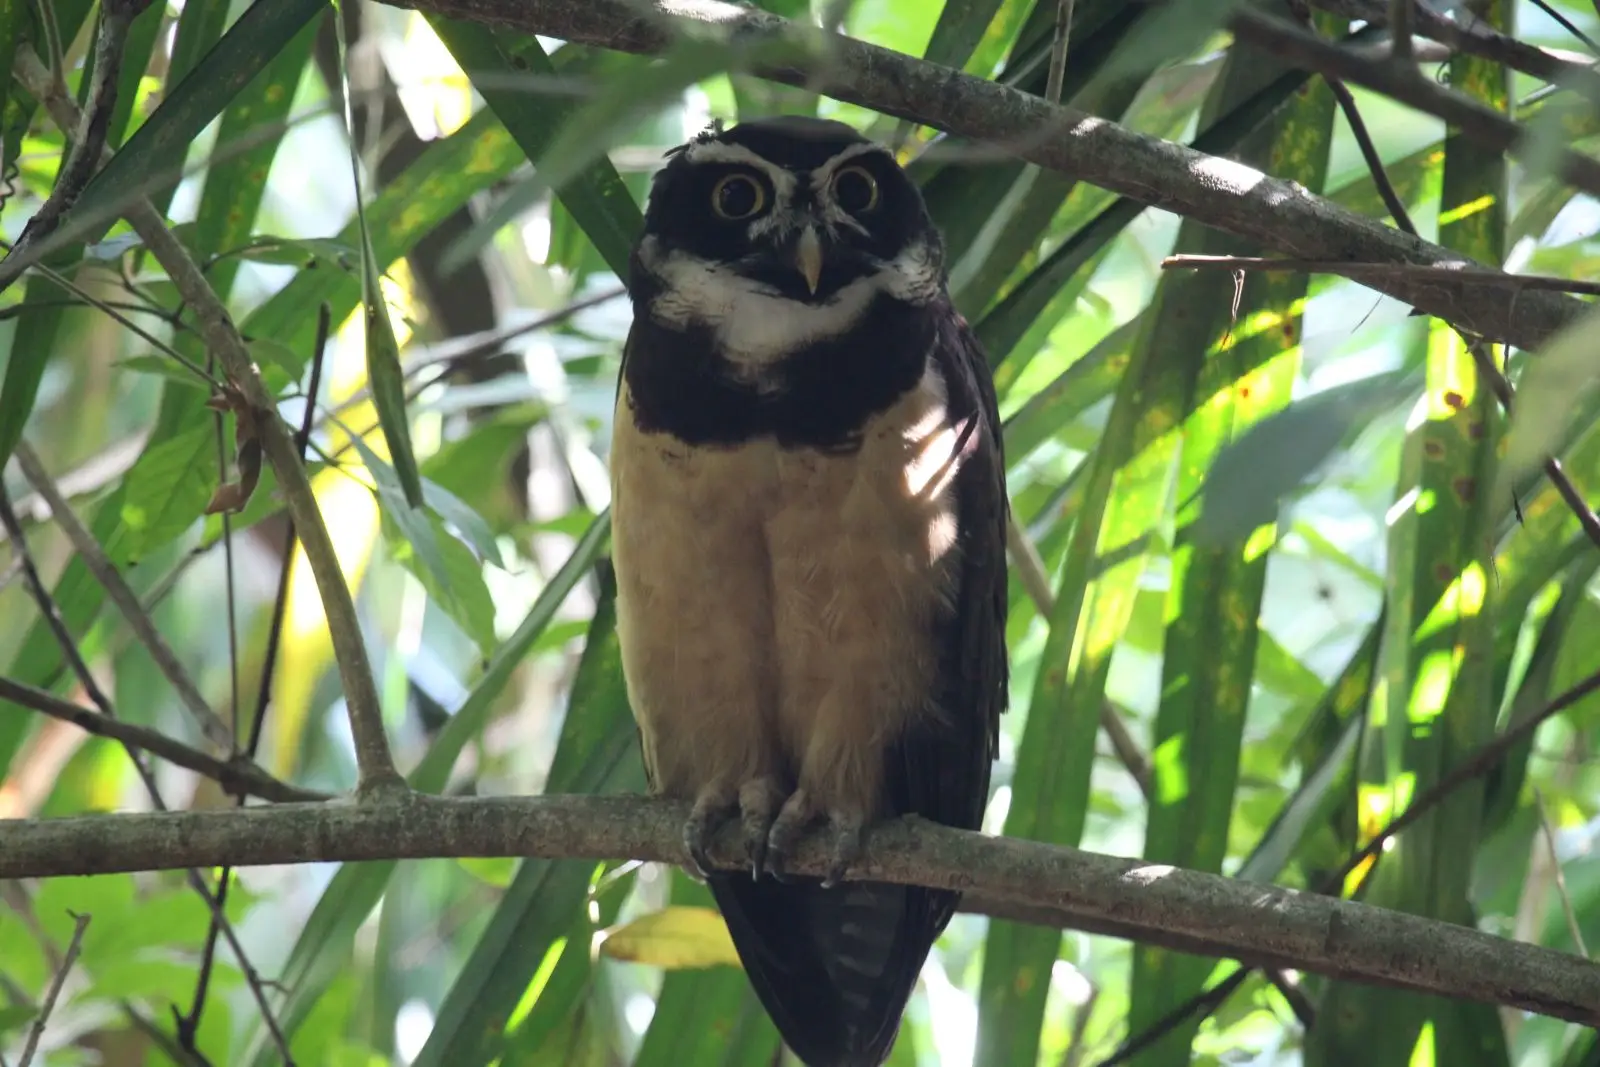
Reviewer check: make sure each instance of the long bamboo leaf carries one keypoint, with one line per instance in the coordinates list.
(1216, 591)
(598, 753)
(385, 379)
(1434, 704)
(150, 161)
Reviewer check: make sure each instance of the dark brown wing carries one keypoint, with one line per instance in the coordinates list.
(941, 769)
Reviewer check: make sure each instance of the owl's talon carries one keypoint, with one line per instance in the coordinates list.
(796, 815)
(759, 800)
(846, 850)
(711, 810)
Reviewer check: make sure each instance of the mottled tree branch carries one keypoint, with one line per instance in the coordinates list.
(1152, 902)
(1281, 216)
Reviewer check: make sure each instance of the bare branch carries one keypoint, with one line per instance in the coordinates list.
(48, 1004)
(1477, 38)
(237, 776)
(88, 137)
(1403, 82)
(94, 558)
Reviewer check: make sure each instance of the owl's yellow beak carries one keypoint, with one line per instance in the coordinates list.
(808, 257)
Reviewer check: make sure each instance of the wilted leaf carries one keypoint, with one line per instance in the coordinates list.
(676, 937)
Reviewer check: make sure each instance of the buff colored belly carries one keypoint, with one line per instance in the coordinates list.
(777, 607)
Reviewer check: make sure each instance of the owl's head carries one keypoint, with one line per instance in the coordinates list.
(800, 218)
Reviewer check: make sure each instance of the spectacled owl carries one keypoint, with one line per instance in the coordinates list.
(809, 517)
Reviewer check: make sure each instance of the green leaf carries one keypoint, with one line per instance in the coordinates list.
(385, 379)
(1209, 659)
(710, 1015)
(1435, 704)
(324, 944)
(248, 137)
(136, 52)
(593, 192)
(15, 17)
(1246, 481)
(678, 937)
(961, 25)
(167, 489)
(452, 576)
(37, 323)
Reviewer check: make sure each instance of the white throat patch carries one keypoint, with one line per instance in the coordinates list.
(756, 327)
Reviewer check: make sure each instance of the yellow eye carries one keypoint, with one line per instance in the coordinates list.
(855, 190)
(737, 196)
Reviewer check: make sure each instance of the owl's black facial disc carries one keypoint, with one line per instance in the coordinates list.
(781, 232)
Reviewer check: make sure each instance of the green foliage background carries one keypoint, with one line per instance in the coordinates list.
(1265, 542)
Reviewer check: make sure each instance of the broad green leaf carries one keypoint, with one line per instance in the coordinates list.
(558, 990)
(1248, 478)
(167, 489)
(32, 341)
(448, 571)
(962, 24)
(249, 133)
(136, 52)
(324, 945)
(1323, 805)
(15, 18)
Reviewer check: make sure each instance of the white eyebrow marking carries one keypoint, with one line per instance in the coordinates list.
(783, 182)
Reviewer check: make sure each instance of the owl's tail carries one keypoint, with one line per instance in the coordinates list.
(833, 967)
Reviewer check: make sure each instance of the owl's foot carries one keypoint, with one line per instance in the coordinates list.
(799, 812)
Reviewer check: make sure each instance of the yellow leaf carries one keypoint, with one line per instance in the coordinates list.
(675, 938)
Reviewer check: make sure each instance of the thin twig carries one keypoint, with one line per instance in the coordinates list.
(1369, 154)
(1058, 52)
(1573, 926)
(69, 649)
(144, 628)
(48, 1004)
(1565, 23)
(1435, 273)
(56, 277)
(374, 760)
(237, 776)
